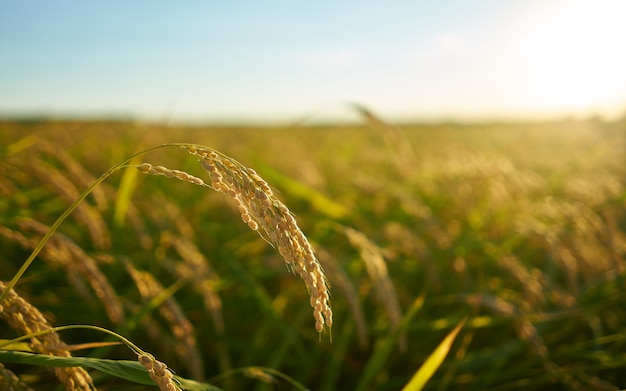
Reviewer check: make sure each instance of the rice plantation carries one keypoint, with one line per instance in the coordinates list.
(331, 257)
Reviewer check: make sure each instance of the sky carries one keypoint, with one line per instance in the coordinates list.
(284, 60)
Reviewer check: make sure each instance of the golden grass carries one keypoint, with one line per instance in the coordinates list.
(185, 343)
(528, 240)
(26, 319)
(260, 209)
(377, 270)
(258, 206)
(159, 372)
(80, 266)
(86, 215)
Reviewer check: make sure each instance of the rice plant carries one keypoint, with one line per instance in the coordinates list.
(469, 257)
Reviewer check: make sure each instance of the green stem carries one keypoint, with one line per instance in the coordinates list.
(70, 209)
(131, 345)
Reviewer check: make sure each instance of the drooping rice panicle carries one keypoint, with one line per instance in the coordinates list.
(80, 267)
(76, 170)
(182, 329)
(263, 212)
(159, 372)
(377, 269)
(25, 318)
(86, 214)
(148, 168)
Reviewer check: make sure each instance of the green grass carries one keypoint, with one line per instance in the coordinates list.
(520, 228)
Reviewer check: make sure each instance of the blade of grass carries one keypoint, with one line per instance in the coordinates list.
(125, 192)
(433, 362)
(20, 145)
(69, 211)
(8, 345)
(129, 370)
(297, 189)
(385, 346)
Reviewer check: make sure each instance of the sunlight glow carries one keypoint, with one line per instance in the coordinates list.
(572, 58)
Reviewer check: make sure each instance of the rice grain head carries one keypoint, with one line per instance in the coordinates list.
(266, 214)
(86, 215)
(76, 170)
(159, 372)
(25, 318)
(383, 286)
(148, 168)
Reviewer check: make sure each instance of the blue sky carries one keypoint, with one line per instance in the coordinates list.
(282, 60)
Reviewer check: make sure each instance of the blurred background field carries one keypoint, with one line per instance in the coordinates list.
(520, 227)
(491, 195)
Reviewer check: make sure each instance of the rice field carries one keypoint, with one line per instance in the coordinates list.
(337, 257)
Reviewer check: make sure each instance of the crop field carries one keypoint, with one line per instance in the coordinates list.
(346, 257)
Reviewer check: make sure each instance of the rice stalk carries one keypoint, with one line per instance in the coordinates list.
(579, 238)
(136, 221)
(148, 325)
(341, 280)
(157, 370)
(80, 267)
(181, 327)
(524, 328)
(75, 169)
(376, 267)
(527, 332)
(176, 216)
(74, 205)
(86, 215)
(396, 141)
(7, 188)
(260, 209)
(535, 284)
(198, 271)
(266, 214)
(257, 204)
(25, 318)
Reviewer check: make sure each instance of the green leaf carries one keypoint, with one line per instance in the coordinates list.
(384, 347)
(8, 345)
(128, 370)
(125, 191)
(433, 362)
(296, 189)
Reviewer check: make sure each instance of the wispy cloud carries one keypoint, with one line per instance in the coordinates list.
(329, 58)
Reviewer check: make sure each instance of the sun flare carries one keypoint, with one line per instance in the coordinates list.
(573, 59)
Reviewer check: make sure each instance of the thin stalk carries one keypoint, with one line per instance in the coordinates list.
(70, 209)
(128, 343)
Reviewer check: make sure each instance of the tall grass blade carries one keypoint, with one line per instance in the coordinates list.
(384, 348)
(433, 362)
(65, 214)
(317, 200)
(125, 192)
(128, 370)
